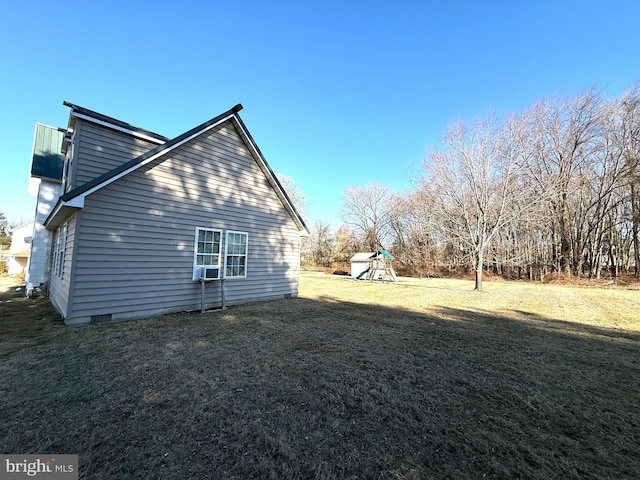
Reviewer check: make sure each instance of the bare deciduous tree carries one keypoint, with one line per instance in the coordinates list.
(476, 182)
(318, 246)
(294, 192)
(630, 138)
(366, 211)
(563, 137)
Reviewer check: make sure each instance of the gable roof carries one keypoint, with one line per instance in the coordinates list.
(47, 160)
(74, 199)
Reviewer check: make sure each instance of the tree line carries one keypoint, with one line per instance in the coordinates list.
(552, 189)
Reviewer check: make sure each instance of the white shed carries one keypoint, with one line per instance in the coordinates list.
(360, 262)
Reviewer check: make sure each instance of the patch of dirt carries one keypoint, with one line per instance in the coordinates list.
(340, 272)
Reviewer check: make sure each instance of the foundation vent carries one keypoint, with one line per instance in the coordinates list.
(101, 318)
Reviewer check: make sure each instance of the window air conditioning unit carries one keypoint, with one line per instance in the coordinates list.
(210, 273)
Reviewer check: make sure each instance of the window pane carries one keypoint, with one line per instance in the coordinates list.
(200, 247)
(209, 236)
(216, 237)
(241, 261)
(200, 260)
(235, 266)
(208, 248)
(200, 235)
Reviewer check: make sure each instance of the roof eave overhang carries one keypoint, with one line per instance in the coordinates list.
(78, 112)
(47, 179)
(112, 126)
(62, 211)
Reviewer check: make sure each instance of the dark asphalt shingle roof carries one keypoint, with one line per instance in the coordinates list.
(113, 121)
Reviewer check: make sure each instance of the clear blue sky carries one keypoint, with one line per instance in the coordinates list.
(335, 93)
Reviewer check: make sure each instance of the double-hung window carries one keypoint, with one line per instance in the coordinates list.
(207, 251)
(236, 254)
(60, 244)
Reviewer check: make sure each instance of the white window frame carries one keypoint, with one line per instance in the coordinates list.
(60, 246)
(228, 256)
(198, 267)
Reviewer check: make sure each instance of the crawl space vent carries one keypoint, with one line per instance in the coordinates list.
(101, 318)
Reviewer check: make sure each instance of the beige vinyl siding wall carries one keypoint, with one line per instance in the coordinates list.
(135, 253)
(100, 149)
(60, 288)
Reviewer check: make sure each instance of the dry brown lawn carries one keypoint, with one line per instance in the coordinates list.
(419, 379)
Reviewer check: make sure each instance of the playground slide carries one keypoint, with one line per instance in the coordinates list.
(362, 273)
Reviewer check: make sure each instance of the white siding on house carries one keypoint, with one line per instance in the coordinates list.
(38, 270)
(136, 247)
(60, 288)
(100, 149)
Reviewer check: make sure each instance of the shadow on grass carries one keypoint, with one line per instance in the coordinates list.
(22, 320)
(328, 389)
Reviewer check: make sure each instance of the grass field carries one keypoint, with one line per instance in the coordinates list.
(420, 379)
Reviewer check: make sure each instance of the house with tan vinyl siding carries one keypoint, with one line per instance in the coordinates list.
(147, 225)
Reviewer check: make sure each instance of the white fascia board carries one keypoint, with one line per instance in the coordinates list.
(62, 212)
(117, 127)
(267, 171)
(77, 202)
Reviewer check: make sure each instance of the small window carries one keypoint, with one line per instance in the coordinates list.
(236, 254)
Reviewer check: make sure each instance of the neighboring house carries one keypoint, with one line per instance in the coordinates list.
(18, 255)
(141, 218)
